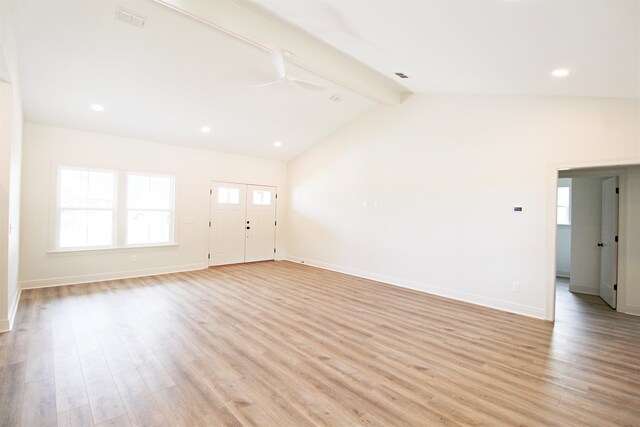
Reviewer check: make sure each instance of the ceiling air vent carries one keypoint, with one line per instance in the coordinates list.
(402, 75)
(130, 18)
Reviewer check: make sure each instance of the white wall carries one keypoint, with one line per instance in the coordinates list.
(586, 217)
(421, 194)
(10, 168)
(563, 241)
(47, 147)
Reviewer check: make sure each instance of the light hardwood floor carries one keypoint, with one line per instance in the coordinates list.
(282, 344)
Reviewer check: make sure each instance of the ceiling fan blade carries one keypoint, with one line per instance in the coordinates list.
(267, 84)
(307, 85)
(278, 61)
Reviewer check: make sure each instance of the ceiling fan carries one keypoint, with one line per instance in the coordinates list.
(284, 78)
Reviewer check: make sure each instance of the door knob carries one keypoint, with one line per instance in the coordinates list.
(600, 245)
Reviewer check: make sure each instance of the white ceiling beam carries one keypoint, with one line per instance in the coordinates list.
(256, 26)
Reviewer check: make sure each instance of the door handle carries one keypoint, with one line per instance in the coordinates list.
(600, 245)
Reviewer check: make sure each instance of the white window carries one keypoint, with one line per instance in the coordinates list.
(564, 205)
(150, 201)
(229, 196)
(261, 197)
(86, 208)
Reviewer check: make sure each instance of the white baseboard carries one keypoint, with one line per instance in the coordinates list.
(580, 289)
(525, 310)
(630, 309)
(98, 277)
(7, 324)
(14, 309)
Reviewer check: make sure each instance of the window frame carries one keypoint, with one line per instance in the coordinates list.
(119, 211)
(59, 209)
(172, 210)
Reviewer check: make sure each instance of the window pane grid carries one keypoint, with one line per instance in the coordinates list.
(87, 212)
(228, 196)
(261, 197)
(149, 213)
(85, 207)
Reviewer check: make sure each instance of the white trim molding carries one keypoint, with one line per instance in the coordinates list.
(14, 309)
(524, 310)
(98, 277)
(631, 310)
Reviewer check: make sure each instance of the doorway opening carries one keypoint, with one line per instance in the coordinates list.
(587, 242)
(596, 260)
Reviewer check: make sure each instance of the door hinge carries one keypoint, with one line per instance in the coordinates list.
(615, 287)
(274, 250)
(210, 191)
(209, 223)
(276, 223)
(616, 239)
(617, 190)
(208, 256)
(276, 195)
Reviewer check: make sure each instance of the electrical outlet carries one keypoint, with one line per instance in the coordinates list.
(516, 287)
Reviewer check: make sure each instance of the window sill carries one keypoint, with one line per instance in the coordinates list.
(87, 251)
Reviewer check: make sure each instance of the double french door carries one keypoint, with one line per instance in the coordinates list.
(243, 223)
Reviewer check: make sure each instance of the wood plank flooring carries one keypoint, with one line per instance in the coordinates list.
(282, 344)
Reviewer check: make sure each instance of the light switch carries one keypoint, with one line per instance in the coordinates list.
(137, 21)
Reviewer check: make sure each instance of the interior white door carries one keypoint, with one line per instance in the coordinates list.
(227, 229)
(261, 223)
(608, 244)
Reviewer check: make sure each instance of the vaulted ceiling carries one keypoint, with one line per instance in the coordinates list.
(166, 81)
(489, 47)
(178, 73)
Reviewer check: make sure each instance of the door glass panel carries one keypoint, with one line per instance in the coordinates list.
(229, 196)
(223, 195)
(234, 196)
(261, 197)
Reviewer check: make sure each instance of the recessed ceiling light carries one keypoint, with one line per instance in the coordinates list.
(560, 72)
(205, 129)
(277, 144)
(97, 107)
